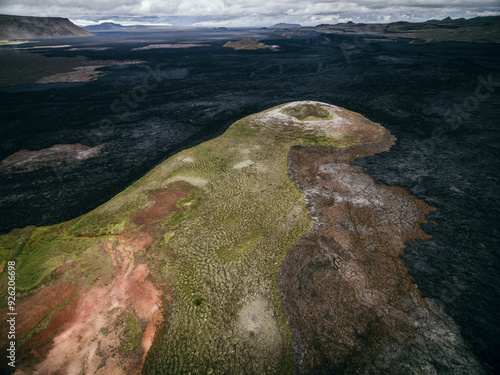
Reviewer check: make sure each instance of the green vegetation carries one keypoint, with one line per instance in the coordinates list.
(220, 250)
(39, 252)
(133, 333)
(40, 265)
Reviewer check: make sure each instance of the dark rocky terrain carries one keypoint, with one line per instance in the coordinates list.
(439, 100)
(24, 27)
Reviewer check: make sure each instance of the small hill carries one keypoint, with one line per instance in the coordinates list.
(250, 44)
(23, 27)
(422, 42)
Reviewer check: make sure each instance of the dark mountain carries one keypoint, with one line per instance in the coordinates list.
(22, 27)
(477, 30)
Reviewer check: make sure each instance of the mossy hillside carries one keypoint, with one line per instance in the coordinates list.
(205, 162)
(11, 245)
(227, 255)
(221, 251)
(40, 252)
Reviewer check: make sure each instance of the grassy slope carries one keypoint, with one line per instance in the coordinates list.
(221, 252)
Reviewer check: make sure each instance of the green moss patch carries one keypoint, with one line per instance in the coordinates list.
(133, 333)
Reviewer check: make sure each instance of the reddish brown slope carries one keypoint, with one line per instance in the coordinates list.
(351, 305)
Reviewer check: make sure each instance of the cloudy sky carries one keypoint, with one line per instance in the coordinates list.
(249, 12)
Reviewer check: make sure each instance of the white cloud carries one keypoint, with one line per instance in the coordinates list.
(253, 12)
(145, 8)
(83, 22)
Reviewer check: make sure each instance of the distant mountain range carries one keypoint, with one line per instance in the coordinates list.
(477, 30)
(22, 27)
(480, 29)
(110, 26)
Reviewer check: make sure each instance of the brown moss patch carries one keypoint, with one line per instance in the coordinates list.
(350, 302)
(164, 202)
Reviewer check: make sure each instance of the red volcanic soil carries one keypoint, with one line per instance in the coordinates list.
(164, 203)
(33, 309)
(88, 334)
(38, 347)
